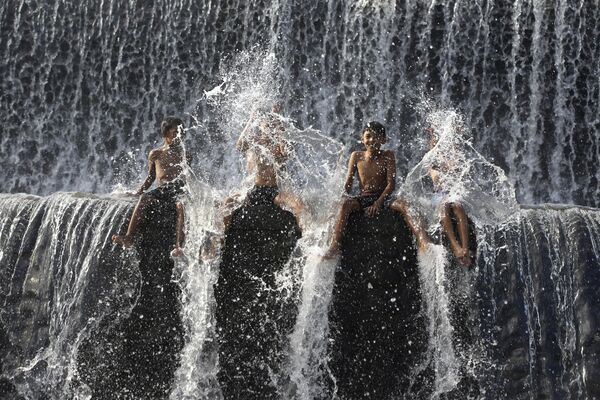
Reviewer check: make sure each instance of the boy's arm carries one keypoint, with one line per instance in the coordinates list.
(350, 174)
(151, 173)
(242, 142)
(390, 168)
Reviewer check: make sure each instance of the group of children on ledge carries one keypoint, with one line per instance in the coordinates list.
(266, 151)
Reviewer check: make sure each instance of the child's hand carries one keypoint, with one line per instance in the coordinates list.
(177, 252)
(374, 209)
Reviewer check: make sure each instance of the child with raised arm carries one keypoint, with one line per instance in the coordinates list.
(262, 143)
(165, 166)
(450, 211)
(376, 171)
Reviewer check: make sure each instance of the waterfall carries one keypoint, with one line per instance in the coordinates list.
(61, 280)
(84, 86)
(543, 264)
(524, 73)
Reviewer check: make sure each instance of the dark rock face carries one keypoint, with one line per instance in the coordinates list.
(253, 315)
(136, 357)
(375, 320)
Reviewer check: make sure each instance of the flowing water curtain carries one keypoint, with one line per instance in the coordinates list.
(196, 376)
(65, 284)
(537, 271)
(93, 79)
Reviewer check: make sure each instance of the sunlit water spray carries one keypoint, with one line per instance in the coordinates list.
(463, 177)
(312, 173)
(440, 352)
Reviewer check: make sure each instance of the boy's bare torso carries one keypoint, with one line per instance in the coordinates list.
(265, 153)
(263, 167)
(168, 162)
(373, 170)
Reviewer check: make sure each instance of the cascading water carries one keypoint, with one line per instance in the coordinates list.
(112, 69)
(64, 284)
(85, 85)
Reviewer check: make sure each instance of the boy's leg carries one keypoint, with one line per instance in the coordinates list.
(414, 222)
(179, 231)
(214, 242)
(462, 223)
(292, 202)
(348, 207)
(227, 209)
(460, 252)
(127, 239)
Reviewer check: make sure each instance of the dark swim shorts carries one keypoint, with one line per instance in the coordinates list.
(169, 192)
(260, 195)
(367, 199)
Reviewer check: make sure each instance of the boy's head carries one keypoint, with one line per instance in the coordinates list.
(432, 137)
(374, 134)
(169, 128)
(276, 108)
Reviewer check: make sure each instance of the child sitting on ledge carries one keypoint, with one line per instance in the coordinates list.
(452, 214)
(165, 166)
(376, 170)
(262, 143)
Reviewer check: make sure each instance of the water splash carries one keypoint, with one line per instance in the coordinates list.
(312, 172)
(463, 175)
(440, 352)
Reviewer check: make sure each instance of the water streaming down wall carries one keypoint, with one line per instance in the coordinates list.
(85, 84)
(80, 317)
(536, 292)
(524, 322)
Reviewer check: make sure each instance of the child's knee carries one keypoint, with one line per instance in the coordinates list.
(398, 205)
(350, 205)
(459, 211)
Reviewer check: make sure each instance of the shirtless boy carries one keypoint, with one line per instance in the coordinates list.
(165, 166)
(376, 171)
(265, 149)
(458, 244)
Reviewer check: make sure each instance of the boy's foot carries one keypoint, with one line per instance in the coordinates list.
(177, 252)
(123, 240)
(211, 248)
(466, 260)
(332, 253)
(463, 256)
(422, 246)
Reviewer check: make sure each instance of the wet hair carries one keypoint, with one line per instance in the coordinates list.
(169, 123)
(376, 128)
